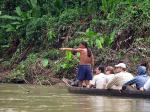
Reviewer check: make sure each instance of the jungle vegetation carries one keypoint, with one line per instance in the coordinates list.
(32, 31)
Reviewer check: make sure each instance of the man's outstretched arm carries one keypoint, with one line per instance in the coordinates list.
(71, 49)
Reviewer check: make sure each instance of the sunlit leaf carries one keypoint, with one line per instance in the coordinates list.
(99, 43)
(90, 33)
(104, 5)
(64, 65)
(69, 55)
(18, 11)
(15, 23)
(78, 54)
(45, 62)
(10, 17)
(34, 3)
(112, 37)
(8, 28)
(51, 35)
(5, 46)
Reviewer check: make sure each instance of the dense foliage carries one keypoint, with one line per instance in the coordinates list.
(31, 31)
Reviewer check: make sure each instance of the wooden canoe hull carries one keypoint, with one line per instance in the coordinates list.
(111, 92)
(106, 92)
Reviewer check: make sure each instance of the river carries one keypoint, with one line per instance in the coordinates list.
(33, 98)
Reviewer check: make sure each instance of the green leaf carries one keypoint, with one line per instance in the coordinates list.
(99, 43)
(90, 33)
(108, 40)
(104, 5)
(18, 11)
(58, 4)
(51, 35)
(129, 2)
(34, 3)
(45, 62)
(81, 33)
(16, 23)
(147, 38)
(5, 46)
(112, 37)
(69, 55)
(64, 65)
(78, 54)
(8, 28)
(10, 17)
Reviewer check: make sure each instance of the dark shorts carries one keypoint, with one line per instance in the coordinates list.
(84, 72)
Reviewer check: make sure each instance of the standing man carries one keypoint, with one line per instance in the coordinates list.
(86, 63)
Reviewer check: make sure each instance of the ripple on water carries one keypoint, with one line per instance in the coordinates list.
(10, 91)
(37, 96)
(11, 99)
(7, 110)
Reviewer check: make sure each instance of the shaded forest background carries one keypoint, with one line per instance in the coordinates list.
(32, 31)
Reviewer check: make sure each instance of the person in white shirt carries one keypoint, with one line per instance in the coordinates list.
(121, 77)
(109, 71)
(147, 85)
(99, 79)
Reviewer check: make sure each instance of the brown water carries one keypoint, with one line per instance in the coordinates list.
(29, 98)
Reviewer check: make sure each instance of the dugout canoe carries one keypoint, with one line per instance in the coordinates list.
(108, 92)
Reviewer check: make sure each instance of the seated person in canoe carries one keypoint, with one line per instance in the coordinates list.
(139, 80)
(99, 79)
(147, 85)
(121, 77)
(109, 71)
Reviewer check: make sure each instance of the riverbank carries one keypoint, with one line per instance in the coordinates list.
(50, 66)
(4, 78)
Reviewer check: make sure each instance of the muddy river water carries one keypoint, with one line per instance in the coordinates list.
(33, 98)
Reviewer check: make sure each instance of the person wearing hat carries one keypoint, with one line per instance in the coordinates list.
(139, 80)
(121, 77)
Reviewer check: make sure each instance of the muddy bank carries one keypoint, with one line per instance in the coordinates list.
(48, 80)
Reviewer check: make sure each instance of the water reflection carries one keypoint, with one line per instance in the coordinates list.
(26, 98)
(111, 104)
(143, 105)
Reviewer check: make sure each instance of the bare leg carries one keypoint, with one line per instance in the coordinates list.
(80, 83)
(87, 82)
(84, 83)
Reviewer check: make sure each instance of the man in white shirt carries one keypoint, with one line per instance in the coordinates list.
(99, 80)
(121, 77)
